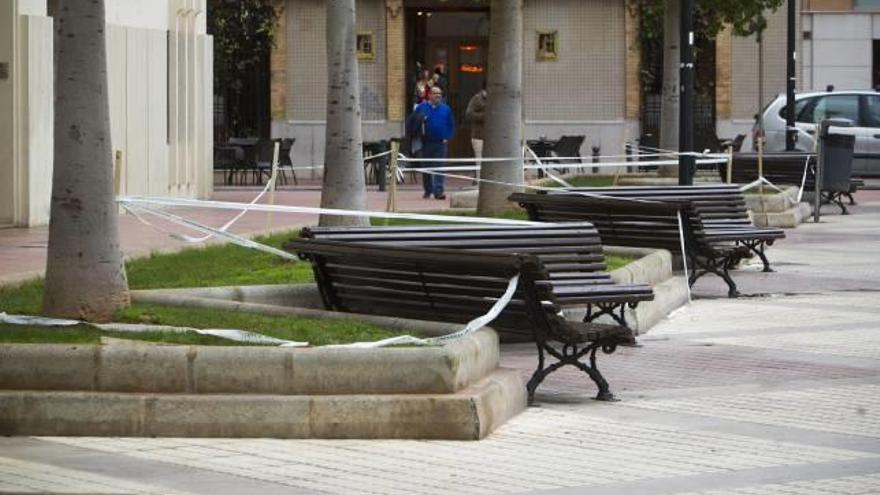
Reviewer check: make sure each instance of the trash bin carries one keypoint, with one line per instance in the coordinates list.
(836, 156)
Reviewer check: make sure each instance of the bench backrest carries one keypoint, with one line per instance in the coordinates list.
(717, 204)
(778, 168)
(562, 248)
(622, 222)
(431, 284)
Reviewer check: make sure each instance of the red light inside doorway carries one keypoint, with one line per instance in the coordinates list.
(470, 68)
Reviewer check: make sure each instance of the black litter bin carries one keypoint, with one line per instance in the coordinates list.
(837, 156)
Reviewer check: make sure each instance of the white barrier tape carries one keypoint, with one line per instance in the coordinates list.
(236, 239)
(760, 180)
(223, 333)
(377, 155)
(143, 203)
(269, 185)
(471, 327)
(803, 179)
(465, 168)
(687, 280)
(546, 171)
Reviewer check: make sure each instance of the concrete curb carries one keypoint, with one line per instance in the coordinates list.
(249, 369)
(654, 267)
(470, 414)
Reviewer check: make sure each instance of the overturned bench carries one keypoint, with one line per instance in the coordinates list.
(673, 225)
(459, 286)
(572, 253)
(722, 209)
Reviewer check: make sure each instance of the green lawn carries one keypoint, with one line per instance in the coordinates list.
(216, 265)
(582, 181)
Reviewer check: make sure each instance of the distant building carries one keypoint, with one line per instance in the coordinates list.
(160, 83)
(581, 70)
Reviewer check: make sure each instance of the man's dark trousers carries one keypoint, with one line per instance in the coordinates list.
(433, 183)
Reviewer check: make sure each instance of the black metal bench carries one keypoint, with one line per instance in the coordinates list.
(458, 286)
(571, 253)
(722, 209)
(784, 168)
(645, 223)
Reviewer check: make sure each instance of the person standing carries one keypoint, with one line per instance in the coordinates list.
(439, 128)
(476, 113)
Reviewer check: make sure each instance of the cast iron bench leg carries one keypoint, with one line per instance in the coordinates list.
(758, 248)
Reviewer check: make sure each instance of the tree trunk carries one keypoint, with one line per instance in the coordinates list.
(503, 128)
(344, 185)
(85, 275)
(670, 101)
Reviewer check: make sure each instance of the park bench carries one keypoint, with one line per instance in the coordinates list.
(458, 286)
(722, 208)
(783, 168)
(571, 253)
(646, 223)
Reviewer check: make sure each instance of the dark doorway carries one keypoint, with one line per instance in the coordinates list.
(457, 41)
(875, 67)
(652, 86)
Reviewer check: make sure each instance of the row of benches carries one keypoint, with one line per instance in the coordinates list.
(456, 273)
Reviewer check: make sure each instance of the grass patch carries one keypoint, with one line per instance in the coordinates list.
(218, 265)
(512, 214)
(582, 181)
(313, 331)
(615, 262)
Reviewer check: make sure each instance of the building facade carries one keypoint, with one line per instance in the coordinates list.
(160, 86)
(589, 86)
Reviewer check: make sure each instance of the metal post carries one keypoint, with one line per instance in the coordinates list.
(791, 56)
(729, 164)
(392, 193)
(817, 177)
(596, 151)
(686, 161)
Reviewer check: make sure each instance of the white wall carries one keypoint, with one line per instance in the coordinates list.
(840, 50)
(36, 120)
(165, 136)
(7, 114)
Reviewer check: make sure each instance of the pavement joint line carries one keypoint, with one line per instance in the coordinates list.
(724, 390)
(731, 480)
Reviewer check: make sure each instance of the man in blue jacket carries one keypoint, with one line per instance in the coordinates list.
(439, 128)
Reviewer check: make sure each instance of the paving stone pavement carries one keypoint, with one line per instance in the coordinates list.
(778, 393)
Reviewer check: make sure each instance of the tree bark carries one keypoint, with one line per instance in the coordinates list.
(503, 121)
(85, 274)
(670, 100)
(344, 184)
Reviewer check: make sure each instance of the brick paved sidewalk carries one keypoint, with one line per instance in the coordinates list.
(773, 394)
(23, 251)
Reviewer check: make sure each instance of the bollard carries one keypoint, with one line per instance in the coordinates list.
(392, 193)
(596, 150)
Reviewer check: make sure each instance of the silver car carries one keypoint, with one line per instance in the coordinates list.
(860, 107)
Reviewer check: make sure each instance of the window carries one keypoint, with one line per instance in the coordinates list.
(872, 111)
(364, 43)
(837, 106)
(803, 110)
(548, 45)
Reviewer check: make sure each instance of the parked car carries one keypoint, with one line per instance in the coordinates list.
(860, 107)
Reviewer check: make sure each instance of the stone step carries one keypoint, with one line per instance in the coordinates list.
(468, 414)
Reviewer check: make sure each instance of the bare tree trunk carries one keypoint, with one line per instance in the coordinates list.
(503, 128)
(85, 275)
(670, 101)
(344, 185)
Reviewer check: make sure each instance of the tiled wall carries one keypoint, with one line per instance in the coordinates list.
(306, 58)
(587, 81)
(744, 78)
